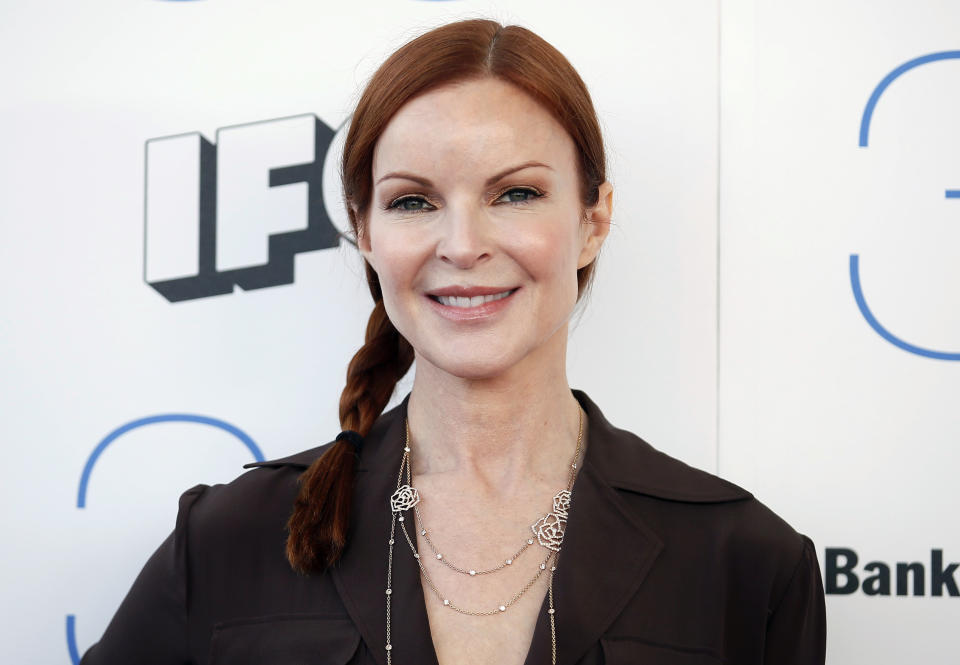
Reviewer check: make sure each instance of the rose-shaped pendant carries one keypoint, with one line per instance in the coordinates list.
(561, 503)
(405, 498)
(549, 530)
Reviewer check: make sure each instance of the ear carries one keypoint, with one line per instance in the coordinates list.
(595, 228)
(363, 240)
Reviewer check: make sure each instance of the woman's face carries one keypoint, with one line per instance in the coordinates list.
(476, 192)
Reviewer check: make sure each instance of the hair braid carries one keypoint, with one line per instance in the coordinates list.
(321, 514)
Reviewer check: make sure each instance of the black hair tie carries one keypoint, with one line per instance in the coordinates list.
(352, 437)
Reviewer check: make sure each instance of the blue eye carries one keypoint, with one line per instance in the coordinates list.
(410, 204)
(519, 195)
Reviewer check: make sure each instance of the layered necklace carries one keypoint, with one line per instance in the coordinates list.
(547, 531)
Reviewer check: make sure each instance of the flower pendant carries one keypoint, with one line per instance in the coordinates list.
(405, 498)
(550, 528)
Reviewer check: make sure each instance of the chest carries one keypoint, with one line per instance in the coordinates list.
(500, 637)
(464, 613)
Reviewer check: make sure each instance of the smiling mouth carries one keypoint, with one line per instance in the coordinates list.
(475, 301)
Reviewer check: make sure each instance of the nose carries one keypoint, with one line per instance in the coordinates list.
(465, 236)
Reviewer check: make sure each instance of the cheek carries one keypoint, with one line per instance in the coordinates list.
(395, 259)
(550, 251)
(395, 280)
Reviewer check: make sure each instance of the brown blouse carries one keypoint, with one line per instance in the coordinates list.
(662, 564)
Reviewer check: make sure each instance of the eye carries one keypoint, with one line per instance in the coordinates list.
(410, 204)
(519, 195)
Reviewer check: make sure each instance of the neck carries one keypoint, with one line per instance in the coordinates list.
(499, 431)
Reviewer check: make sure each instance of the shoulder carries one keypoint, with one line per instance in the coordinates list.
(703, 521)
(720, 555)
(666, 485)
(256, 502)
(712, 525)
(628, 462)
(230, 549)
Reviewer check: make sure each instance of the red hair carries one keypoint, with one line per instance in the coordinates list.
(459, 51)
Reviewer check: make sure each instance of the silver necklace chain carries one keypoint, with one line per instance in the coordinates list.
(472, 572)
(548, 531)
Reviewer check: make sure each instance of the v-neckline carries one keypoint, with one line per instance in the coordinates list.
(541, 644)
(587, 597)
(408, 575)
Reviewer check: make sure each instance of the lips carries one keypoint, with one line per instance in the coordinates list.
(472, 307)
(473, 301)
(470, 291)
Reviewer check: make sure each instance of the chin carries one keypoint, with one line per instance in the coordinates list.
(477, 367)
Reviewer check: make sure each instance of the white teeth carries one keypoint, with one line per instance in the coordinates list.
(475, 301)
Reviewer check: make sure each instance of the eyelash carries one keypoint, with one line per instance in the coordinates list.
(396, 203)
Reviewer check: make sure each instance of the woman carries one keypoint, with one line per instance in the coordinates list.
(494, 515)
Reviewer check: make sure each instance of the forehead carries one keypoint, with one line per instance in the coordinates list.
(473, 126)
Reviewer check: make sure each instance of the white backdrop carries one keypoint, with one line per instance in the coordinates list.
(743, 351)
(842, 416)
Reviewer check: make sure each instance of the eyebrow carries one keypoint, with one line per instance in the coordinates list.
(490, 181)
